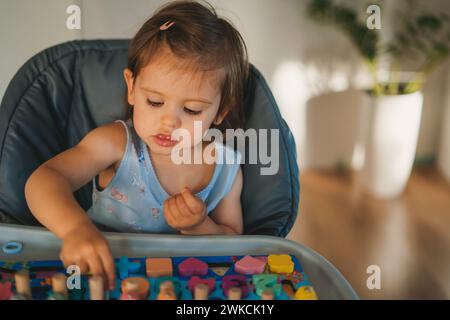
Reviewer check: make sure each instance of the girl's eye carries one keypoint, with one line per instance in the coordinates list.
(193, 112)
(154, 104)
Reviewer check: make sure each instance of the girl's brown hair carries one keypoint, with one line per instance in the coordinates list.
(200, 36)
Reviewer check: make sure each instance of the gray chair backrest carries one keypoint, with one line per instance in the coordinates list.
(65, 91)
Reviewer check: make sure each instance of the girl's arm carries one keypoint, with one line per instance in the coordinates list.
(226, 217)
(49, 190)
(49, 194)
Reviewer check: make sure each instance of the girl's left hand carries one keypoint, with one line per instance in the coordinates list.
(184, 211)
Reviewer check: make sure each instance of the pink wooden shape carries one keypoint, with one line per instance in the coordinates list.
(249, 265)
(6, 276)
(262, 258)
(211, 282)
(192, 267)
(235, 280)
(5, 291)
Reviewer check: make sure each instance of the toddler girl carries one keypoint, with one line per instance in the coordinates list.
(186, 66)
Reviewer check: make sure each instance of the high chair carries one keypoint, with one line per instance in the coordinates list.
(67, 90)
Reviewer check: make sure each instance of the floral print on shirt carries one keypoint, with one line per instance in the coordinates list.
(119, 196)
(155, 213)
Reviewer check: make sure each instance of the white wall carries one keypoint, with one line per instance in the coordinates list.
(299, 58)
(27, 27)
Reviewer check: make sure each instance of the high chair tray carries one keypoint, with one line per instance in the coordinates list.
(40, 244)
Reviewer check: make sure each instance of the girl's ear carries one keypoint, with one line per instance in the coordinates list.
(128, 75)
(219, 118)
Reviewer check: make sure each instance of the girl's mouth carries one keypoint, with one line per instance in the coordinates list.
(164, 140)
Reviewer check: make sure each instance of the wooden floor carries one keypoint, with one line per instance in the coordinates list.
(408, 238)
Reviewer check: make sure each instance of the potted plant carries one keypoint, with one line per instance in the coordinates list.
(417, 44)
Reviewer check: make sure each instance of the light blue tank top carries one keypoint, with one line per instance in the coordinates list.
(133, 200)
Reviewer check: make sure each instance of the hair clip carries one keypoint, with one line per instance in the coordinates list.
(166, 25)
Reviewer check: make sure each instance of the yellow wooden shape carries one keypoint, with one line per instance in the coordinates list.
(305, 293)
(280, 263)
(166, 291)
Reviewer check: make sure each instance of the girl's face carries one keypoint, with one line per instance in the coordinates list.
(167, 96)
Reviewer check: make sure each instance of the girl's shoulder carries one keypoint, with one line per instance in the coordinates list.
(228, 154)
(111, 138)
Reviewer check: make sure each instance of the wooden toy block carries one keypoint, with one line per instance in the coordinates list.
(220, 268)
(125, 267)
(234, 293)
(6, 274)
(201, 291)
(129, 296)
(263, 282)
(96, 288)
(220, 271)
(166, 291)
(134, 266)
(288, 287)
(195, 280)
(267, 294)
(130, 285)
(249, 265)
(59, 284)
(158, 267)
(280, 263)
(240, 277)
(136, 286)
(167, 284)
(23, 288)
(295, 278)
(238, 281)
(305, 293)
(5, 291)
(192, 267)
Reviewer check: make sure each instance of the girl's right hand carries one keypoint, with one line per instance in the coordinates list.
(87, 248)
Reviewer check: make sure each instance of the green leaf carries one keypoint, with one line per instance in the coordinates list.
(345, 16)
(319, 8)
(411, 29)
(429, 22)
(365, 40)
(441, 48)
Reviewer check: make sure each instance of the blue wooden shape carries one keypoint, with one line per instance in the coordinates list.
(126, 267)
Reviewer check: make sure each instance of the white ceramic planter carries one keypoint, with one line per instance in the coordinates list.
(391, 129)
(331, 129)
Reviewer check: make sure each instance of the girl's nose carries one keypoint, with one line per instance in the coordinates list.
(170, 120)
